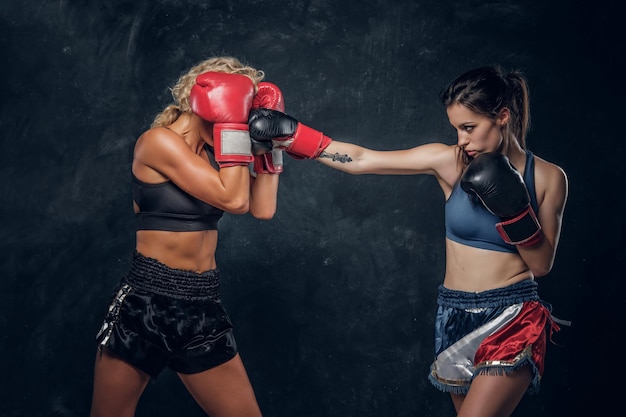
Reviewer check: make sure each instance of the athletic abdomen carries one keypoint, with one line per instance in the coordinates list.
(474, 269)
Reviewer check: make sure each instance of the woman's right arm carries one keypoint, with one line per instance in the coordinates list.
(162, 152)
(302, 141)
(433, 158)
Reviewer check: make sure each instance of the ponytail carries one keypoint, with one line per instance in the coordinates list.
(519, 104)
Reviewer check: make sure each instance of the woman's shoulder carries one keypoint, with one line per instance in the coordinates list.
(547, 169)
(159, 139)
(160, 144)
(442, 161)
(550, 178)
(156, 135)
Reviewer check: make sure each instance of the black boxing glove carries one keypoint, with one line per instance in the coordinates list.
(501, 189)
(286, 133)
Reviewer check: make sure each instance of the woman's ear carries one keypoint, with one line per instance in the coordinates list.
(503, 116)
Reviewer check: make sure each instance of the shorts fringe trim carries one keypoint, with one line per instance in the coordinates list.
(454, 387)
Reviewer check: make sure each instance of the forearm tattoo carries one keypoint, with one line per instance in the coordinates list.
(336, 157)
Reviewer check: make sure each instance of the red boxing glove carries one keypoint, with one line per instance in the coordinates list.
(225, 100)
(269, 96)
(267, 159)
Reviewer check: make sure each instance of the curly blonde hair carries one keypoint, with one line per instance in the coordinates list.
(182, 88)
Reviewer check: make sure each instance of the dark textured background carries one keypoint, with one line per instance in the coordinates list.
(333, 300)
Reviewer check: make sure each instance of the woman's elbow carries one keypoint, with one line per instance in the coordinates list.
(263, 216)
(238, 206)
(263, 213)
(541, 270)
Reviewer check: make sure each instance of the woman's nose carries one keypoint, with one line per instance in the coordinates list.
(462, 139)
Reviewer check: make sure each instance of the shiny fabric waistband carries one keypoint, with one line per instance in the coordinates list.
(150, 275)
(498, 297)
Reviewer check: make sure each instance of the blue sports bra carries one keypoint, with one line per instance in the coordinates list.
(165, 206)
(468, 222)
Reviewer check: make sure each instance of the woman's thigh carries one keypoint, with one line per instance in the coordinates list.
(223, 391)
(117, 386)
(494, 395)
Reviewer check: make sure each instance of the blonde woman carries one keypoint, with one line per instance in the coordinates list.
(189, 168)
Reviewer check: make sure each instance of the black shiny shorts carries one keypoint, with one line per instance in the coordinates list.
(163, 317)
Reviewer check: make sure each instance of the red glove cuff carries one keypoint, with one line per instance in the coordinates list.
(269, 163)
(523, 229)
(307, 143)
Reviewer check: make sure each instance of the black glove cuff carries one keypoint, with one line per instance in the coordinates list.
(520, 229)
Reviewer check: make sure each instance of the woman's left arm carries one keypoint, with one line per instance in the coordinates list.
(263, 195)
(552, 190)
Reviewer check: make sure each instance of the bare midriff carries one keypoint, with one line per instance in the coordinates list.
(190, 251)
(474, 270)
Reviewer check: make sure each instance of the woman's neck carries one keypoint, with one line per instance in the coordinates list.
(195, 131)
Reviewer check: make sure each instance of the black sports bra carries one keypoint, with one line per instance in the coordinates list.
(165, 206)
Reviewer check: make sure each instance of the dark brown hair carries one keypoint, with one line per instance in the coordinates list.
(488, 90)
